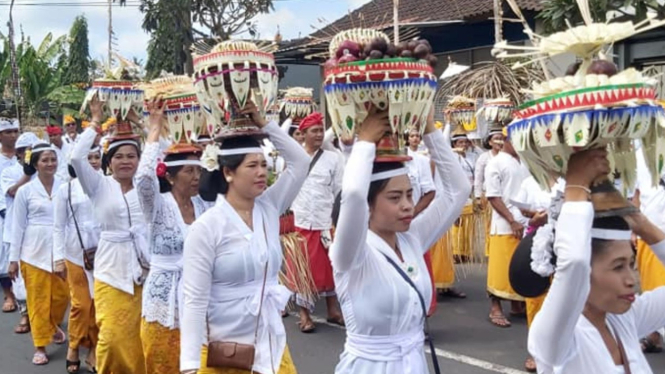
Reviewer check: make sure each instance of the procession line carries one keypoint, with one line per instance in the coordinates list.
(467, 360)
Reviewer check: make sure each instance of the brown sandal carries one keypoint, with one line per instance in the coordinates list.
(499, 320)
(530, 365)
(9, 306)
(22, 328)
(307, 327)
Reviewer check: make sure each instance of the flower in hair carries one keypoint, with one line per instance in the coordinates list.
(210, 157)
(161, 169)
(542, 250)
(28, 155)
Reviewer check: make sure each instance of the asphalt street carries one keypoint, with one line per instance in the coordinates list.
(466, 343)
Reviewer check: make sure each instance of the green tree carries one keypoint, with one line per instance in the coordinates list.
(556, 13)
(78, 58)
(172, 26)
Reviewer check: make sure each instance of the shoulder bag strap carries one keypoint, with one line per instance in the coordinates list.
(435, 361)
(69, 200)
(622, 351)
(316, 158)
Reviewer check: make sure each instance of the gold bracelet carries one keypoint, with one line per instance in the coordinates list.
(585, 189)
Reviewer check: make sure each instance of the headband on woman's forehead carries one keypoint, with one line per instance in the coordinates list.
(121, 143)
(183, 163)
(609, 234)
(240, 151)
(389, 174)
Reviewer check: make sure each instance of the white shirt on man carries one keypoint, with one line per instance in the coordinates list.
(503, 178)
(313, 206)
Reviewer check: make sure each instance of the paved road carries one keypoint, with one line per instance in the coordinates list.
(465, 341)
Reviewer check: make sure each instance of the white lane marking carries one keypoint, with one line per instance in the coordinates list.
(485, 365)
(467, 360)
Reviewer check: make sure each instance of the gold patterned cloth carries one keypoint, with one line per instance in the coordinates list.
(443, 271)
(286, 367)
(119, 350)
(652, 271)
(48, 298)
(161, 348)
(502, 248)
(82, 326)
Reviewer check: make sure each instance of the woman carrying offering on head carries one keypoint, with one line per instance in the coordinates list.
(233, 256)
(376, 234)
(591, 320)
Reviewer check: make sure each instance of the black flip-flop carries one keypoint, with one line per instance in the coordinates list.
(648, 346)
(337, 321)
(76, 364)
(451, 292)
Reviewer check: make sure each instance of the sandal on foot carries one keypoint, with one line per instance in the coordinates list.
(39, 358)
(73, 367)
(499, 320)
(9, 306)
(59, 337)
(90, 367)
(453, 293)
(307, 327)
(530, 365)
(336, 321)
(22, 328)
(649, 346)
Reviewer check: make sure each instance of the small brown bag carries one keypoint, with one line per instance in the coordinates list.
(237, 355)
(89, 253)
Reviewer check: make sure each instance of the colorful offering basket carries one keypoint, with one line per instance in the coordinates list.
(119, 97)
(182, 111)
(403, 86)
(298, 103)
(497, 111)
(595, 105)
(462, 112)
(232, 74)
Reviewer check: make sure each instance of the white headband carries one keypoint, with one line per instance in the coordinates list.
(607, 234)
(183, 163)
(42, 149)
(122, 142)
(389, 174)
(240, 151)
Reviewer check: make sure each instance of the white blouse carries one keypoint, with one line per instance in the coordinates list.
(479, 180)
(224, 262)
(167, 236)
(561, 339)
(383, 314)
(9, 178)
(65, 239)
(120, 244)
(32, 226)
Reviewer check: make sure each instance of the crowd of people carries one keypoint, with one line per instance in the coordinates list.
(168, 254)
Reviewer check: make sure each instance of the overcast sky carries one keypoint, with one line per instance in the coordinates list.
(294, 18)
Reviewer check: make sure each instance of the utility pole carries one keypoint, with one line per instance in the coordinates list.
(16, 82)
(396, 20)
(110, 31)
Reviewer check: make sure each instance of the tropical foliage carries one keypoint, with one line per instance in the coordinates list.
(78, 65)
(556, 13)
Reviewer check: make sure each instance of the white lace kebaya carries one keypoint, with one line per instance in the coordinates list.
(167, 232)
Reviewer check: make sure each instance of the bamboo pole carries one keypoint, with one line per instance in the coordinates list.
(396, 20)
(110, 32)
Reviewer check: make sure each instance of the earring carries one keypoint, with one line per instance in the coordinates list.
(229, 179)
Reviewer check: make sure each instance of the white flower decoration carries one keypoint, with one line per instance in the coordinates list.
(210, 157)
(542, 249)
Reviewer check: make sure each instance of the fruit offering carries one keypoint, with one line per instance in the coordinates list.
(366, 70)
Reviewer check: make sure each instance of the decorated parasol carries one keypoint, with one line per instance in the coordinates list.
(594, 105)
(229, 76)
(366, 70)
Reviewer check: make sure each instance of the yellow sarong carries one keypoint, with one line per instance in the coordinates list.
(443, 271)
(48, 297)
(119, 350)
(286, 367)
(502, 248)
(652, 271)
(463, 233)
(82, 326)
(533, 306)
(161, 348)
